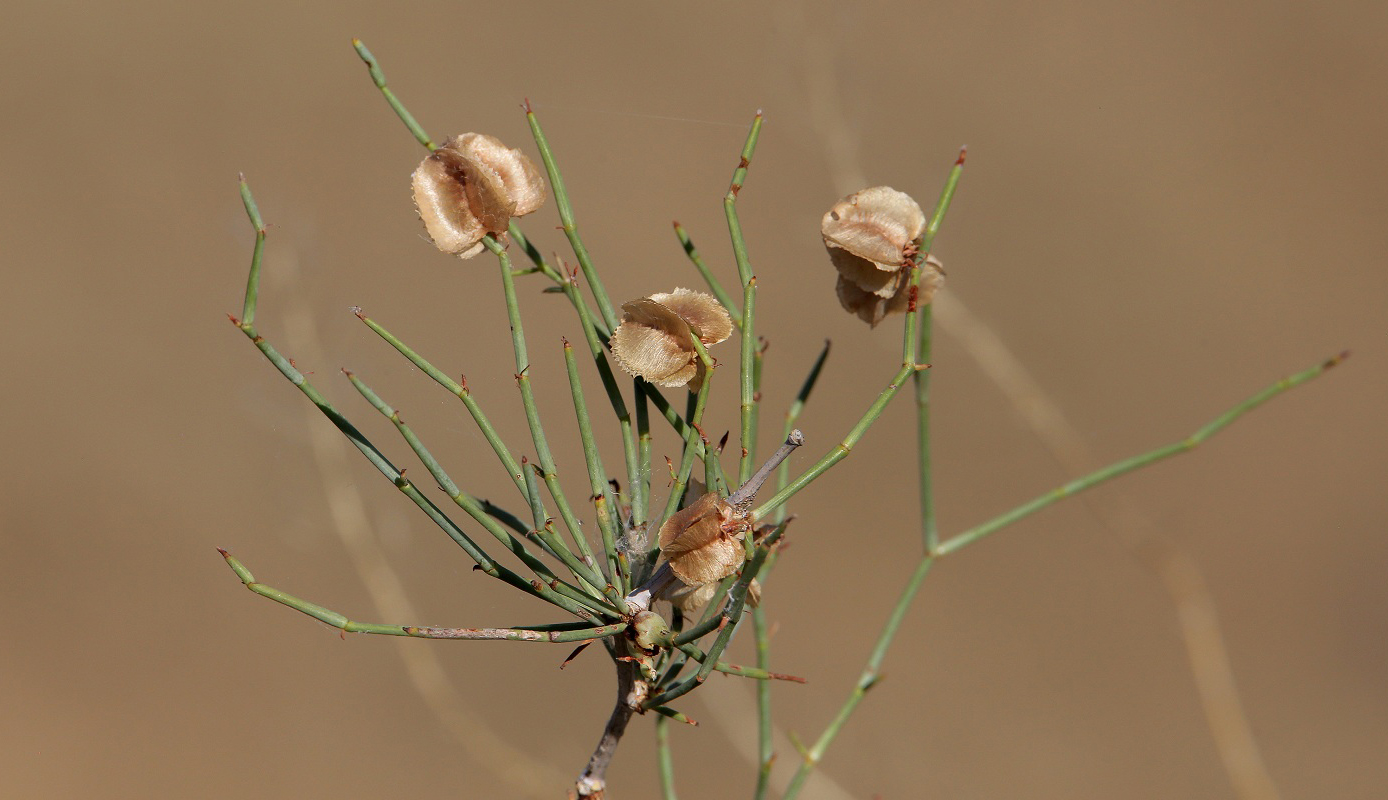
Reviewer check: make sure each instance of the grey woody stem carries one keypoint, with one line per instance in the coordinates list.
(742, 498)
(592, 783)
(640, 599)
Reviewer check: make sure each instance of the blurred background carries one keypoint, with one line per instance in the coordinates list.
(1167, 206)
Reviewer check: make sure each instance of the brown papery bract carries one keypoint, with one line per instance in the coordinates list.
(871, 237)
(877, 224)
(655, 342)
(471, 186)
(703, 543)
(874, 306)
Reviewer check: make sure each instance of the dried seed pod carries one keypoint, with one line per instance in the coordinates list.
(871, 235)
(703, 543)
(878, 225)
(872, 307)
(655, 342)
(471, 186)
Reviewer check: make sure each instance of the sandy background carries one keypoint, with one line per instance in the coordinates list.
(1167, 206)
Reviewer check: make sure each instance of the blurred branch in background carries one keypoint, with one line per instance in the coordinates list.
(1178, 572)
(485, 748)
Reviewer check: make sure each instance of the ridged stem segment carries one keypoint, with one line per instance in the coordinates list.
(566, 216)
(665, 762)
(379, 78)
(474, 509)
(460, 390)
(1137, 462)
(538, 633)
(603, 503)
(532, 414)
(714, 284)
(929, 531)
(382, 464)
(749, 293)
(870, 674)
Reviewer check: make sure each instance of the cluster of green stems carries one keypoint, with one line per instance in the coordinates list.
(594, 586)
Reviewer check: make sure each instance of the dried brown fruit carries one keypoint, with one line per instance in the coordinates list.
(703, 543)
(471, 186)
(873, 307)
(871, 237)
(655, 340)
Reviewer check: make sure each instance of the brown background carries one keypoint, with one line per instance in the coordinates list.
(1167, 206)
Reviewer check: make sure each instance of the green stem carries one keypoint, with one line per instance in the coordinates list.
(460, 390)
(843, 448)
(603, 504)
(566, 216)
(747, 368)
(253, 281)
(758, 359)
(539, 633)
(870, 675)
(713, 284)
(929, 530)
(749, 293)
(756, 673)
(664, 760)
(382, 464)
(811, 756)
(474, 509)
(641, 500)
(532, 415)
(1136, 462)
(609, 382)
(379, 78)
(744, 266)
(544, 531)
(766, 754)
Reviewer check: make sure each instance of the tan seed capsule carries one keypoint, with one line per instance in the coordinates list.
(703, 543)
(877, 224)
(871, 238)
(471, 186)
(655, 341)
(873, 307)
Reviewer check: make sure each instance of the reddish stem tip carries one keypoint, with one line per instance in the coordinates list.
(963, 151)
(356, 310)
(224, 553)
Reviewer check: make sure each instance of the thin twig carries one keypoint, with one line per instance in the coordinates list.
(592, 782)
(955, 543)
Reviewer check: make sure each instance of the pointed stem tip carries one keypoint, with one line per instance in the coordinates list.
(748, 490)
